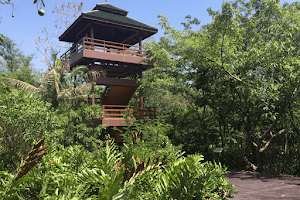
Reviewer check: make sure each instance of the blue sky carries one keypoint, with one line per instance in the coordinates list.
(26, 23)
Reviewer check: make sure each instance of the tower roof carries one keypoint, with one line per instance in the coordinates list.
(110, 8)
(110, 23)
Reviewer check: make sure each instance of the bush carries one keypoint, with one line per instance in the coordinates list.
(107, 173)
(24, 118)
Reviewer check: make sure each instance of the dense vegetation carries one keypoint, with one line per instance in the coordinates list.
(81, 164)
(231, 84)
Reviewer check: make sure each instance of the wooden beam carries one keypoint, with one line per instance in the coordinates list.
(116, 82)
(96, 53)
(92, 32)
(141, 93)
(129, 69)
(140, 42)
(130, 37)
(71, 27)
(82, 30)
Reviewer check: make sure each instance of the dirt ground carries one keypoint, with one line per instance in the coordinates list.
(253, 186)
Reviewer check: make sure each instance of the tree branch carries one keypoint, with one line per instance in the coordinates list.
(254, 144)
(228, 72)
(270, 140)
(271, 127)
(245, 159)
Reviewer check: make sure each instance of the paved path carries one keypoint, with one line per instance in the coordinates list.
(252, 186)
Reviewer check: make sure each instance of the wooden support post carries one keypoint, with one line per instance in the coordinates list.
(93, 83)
(93, 94)
(92, 35)
(141, 94)
(140, 43)
(141, 75)
(92, 31)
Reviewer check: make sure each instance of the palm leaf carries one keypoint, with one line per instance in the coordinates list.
(84, 72)
(19, 84)
(74, 93)
(53, 76)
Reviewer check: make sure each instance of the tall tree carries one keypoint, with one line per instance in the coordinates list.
(14, 64)
(240, 73)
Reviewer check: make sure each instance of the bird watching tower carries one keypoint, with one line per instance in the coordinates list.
(106, 40)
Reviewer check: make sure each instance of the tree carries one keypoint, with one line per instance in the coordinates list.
(239, 74)
(9, 2)
(14, 64)
(18, 127)
(57, 84)
(67, 14)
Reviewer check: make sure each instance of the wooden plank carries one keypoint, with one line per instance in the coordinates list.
(114, 57)
(116, 82)
(103, 43)
(112, 106)
(113, 121)
(109, 42)
(105, 49)
(121, 94)
(118, 110)
(113, 115)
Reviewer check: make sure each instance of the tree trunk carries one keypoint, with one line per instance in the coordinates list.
(258, 160)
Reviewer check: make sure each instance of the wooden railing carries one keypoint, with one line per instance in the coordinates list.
(119, 111)
(102, 46)
(89, 101)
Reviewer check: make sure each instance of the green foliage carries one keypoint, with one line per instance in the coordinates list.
(73, 172)
(78, 125)
(14, 64)
(18, 127)
(105, 172)
(65, 126)
(188, 178)
(237, 75)
(152, 138)
(9, 189)
(58, 88)
(198, 180)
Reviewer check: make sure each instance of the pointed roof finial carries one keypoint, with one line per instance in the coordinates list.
(106, 1)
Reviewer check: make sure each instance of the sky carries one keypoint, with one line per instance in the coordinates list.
(26, 24)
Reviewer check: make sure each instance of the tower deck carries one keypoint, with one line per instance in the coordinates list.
(89, 50)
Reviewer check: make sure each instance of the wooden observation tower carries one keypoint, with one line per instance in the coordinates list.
(106, 40)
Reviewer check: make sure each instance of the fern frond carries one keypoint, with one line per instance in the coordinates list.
(141, 168)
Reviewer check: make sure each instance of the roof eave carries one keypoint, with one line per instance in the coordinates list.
(61, 37)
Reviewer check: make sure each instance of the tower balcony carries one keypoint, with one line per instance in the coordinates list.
(89, 49)
(119, 115)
